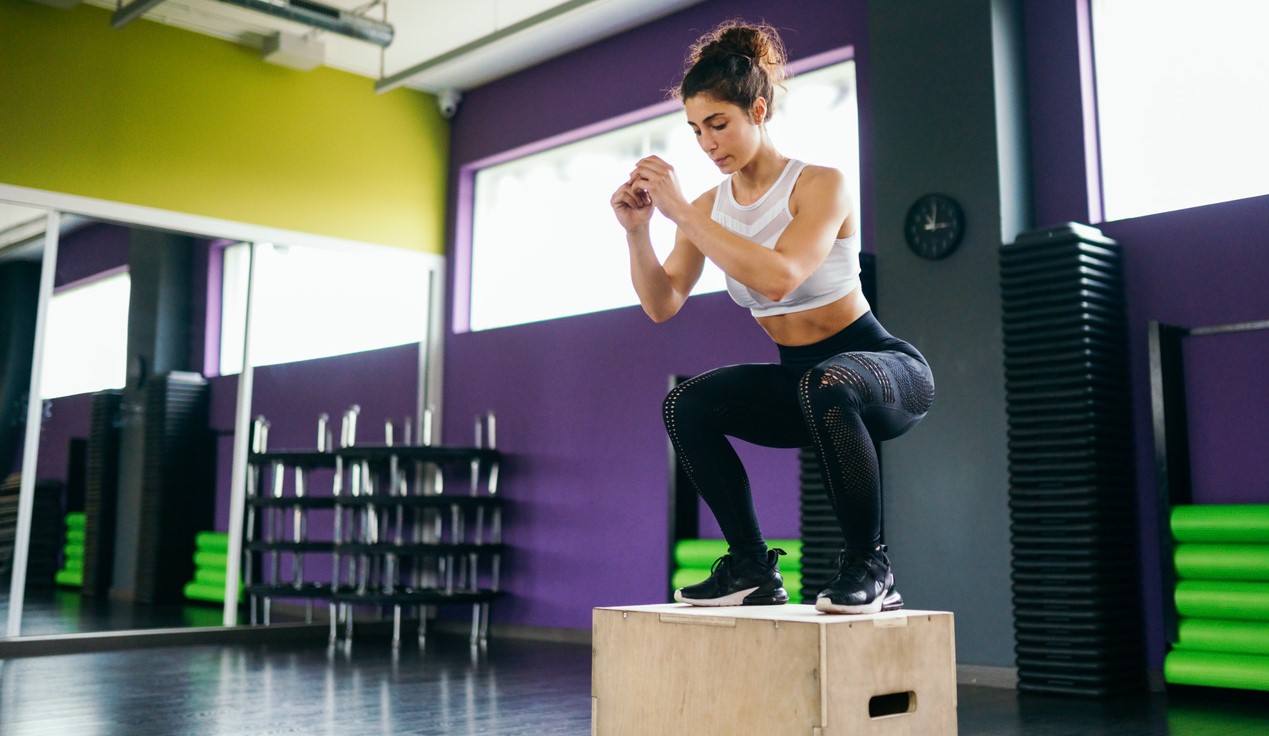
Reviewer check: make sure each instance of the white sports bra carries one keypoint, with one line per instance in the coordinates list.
(764, 222)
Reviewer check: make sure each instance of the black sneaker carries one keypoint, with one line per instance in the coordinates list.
(863, 584)
(736, 582)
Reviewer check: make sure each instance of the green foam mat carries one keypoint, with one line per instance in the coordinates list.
(1221, 523)
(73, 563)
(1212, 635)
(217, 560)
(703, 552)
(1222, 561)
(76, 520)
(75, 551)
(692, 575)
(195, 591)
(212, 541)
(75, 536)
(1229, 600)
(1217, 669)
(210, 576)
(72, 578)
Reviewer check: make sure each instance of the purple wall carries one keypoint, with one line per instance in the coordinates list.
(578, 446)
(578, 400)
(293, 395)
(1194, 267)
(89, 251)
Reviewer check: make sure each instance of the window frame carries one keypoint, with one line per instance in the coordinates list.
(81, 283)
(464, 216)
(1093, 108)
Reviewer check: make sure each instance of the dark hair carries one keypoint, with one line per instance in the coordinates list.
(737, 62)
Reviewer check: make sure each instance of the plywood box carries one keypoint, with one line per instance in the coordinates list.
(771, 670)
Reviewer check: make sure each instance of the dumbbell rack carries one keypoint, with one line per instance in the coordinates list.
(387, 533)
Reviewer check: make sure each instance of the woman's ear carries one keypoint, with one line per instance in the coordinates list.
(758, 112)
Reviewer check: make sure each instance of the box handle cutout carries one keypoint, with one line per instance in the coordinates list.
(891, 704)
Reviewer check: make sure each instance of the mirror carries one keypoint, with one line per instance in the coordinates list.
(139, 341)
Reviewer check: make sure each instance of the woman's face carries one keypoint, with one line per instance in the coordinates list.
(726, 132)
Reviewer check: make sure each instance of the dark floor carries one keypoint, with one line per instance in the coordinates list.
(512, 688)
(62, 611)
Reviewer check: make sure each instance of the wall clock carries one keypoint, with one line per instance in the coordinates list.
(934, 226)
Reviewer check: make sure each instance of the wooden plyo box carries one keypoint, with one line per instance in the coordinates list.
(771, 670)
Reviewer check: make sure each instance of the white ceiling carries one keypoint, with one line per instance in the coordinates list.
(436, 45)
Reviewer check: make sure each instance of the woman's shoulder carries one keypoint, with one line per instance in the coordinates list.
(706, 200)
(823, 175)
(820, 184)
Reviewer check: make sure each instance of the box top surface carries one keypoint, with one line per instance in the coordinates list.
(795, 612)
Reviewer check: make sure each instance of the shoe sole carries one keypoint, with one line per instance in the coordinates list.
(891, 602)
(739, 598)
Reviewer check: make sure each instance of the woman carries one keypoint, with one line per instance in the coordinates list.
(785, 236)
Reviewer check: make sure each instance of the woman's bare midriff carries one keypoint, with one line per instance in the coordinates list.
(813, 325)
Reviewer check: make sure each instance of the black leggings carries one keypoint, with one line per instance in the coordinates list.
(838, 396)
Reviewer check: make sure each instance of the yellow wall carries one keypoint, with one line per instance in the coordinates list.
(161, 117)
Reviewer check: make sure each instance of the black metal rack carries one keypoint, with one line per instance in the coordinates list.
(1170, 422)
(397, 539)
(1071, 489)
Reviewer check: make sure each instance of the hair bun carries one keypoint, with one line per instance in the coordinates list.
(758, 42)
(736, 62)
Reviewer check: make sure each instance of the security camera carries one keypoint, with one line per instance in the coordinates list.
(448, 102)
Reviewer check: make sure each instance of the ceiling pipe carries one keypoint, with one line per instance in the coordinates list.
(324, 17)
(396, 80)
(130, 12)
(306, 12)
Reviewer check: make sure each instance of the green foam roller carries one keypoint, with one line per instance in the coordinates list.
(793, 584)
(71, 578)
(1222, 561)
(210, 593)
(1216, 599)
(1217, 669)
(75, 536)
(698, 552)
(76, 520)
(688, 576)
(685, 576)
(218, 560)
(212, 541)
(703, 552)
(1221, 523)
(1235, 637)
(210, 576)
(73, 550)
(73, 563)
(792, 559)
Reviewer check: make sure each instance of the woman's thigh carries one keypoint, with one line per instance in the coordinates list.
(756, 403)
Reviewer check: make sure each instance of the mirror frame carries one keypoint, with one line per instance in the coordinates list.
(428, 404)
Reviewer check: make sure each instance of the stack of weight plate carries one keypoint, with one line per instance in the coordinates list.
(176, 495)
(9, 492)
(1076, 594)
(101, 493)
(821, 534)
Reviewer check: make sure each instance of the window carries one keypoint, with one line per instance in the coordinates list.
(86, 320)
(545, 243)
(315, 303)
(1181, 102)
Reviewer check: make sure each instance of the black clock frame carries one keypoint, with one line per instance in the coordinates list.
(940, 241)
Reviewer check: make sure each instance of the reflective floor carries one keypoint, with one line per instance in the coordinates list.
(511, 688)
(65, 611)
